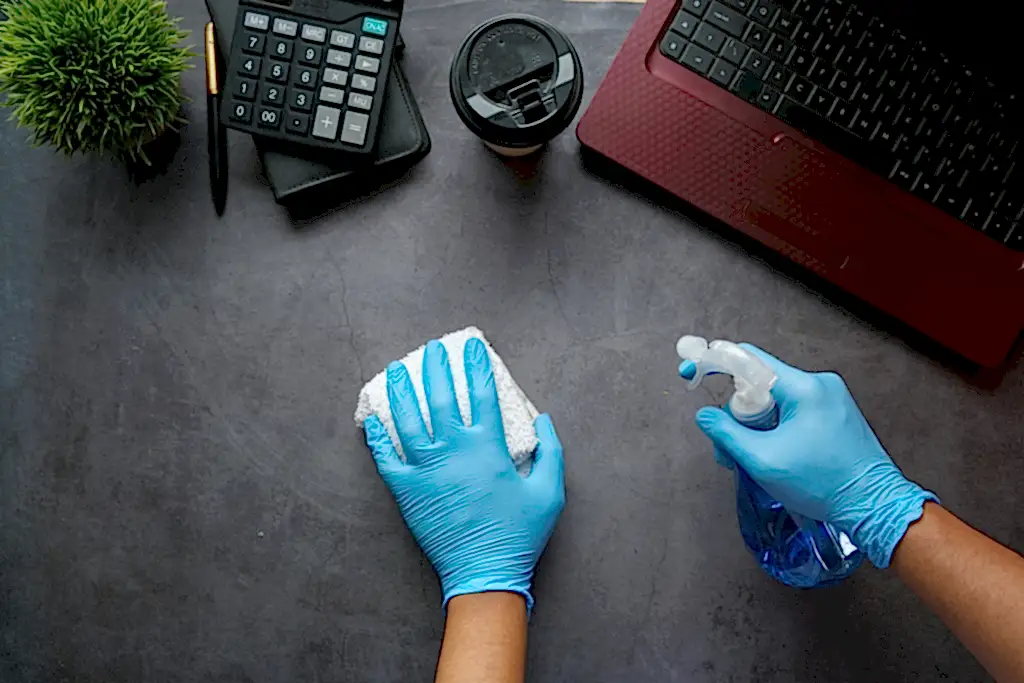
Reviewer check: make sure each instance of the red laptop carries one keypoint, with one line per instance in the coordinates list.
(888, 162)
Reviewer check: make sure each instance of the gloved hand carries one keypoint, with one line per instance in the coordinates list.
(823, 460)
(481, 524)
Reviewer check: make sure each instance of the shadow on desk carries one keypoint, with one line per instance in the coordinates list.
(983, 378)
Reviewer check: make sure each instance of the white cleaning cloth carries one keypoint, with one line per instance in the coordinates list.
(517, 412)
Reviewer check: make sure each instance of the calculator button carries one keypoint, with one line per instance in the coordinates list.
(250, 66)
(314, 34)
(303, 101)
(358, 100)
(281, 49)
(339, 58)
(354, 130)
(253, 43)
(270, 118)
(260, 22)
(374, 46)
(376, 26)
(297, 123)
(335, 77)
(343, 39)
(245, 88)
(305, 78)
(310, 55)
(371, 64)
(332, 95)
(286, 27)
(277, 71)
(367, 83)
(325, 124)
(273, 94)
(241, 112)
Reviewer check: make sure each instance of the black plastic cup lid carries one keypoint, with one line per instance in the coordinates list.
(516, 81)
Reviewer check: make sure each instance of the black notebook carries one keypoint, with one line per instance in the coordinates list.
(304, 180)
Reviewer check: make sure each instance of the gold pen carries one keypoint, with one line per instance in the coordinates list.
(217, 133)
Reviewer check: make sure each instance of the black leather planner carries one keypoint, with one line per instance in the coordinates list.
(307, 181)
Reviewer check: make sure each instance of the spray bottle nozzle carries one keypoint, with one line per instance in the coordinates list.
(753, 379)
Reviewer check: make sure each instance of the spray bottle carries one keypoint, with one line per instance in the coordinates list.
(794, 549)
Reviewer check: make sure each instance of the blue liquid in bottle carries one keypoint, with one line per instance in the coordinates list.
(798, 551)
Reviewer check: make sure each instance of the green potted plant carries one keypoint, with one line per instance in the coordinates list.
(93, 75)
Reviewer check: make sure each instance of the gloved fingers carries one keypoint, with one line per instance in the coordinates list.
(724, 459)
(793, 383)
(405, 410)
(384, 454)
(548, 472)
(483, 392)
(736, 441)
(440, 391)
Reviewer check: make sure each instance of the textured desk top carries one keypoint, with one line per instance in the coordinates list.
(184, 497)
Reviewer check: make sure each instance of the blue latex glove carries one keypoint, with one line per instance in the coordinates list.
(823, 460)
(481, 524)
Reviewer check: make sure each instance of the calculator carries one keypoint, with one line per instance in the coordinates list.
(311, 71)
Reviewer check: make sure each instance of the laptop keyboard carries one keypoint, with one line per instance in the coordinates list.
(894, 105)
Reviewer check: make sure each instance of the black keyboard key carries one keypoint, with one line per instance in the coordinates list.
(245, 89)
(241, 112)
(697, 58)
(843, 85)
(849, 34)
(741, 5)
(696, 7)
(996, 170)
(821, 102)
(757, 37)
(807, 9)
(801, 62)
(709, 37)
(757, 64)
(951, 172)
(727, 19)
(807, 37)
(892, 60)
(822, 73)
(1011, 203)
(865, 125)
(747, 86)
(785, 23)
(870, 47)
(672, 45)
(888, 110)
(734, 51)
(830, 18)
(927, 187)
(998, 226)
(297, 123)
(250, 66)
(779, 49)
(828, 49)
(763, 11)
(685, 24)
(850, 62)
(952, 200)
(977, 214)
(905, 175)
(866, 98)
(253, 43)
(893, 85)
(843, 114)
(722, 72)
(269, 118)
(281, 49)
(778, 76)
(800, 89)
(1015, 240)
(823, 130)
(768, 98)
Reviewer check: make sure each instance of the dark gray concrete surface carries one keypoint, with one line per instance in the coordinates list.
(184, 496)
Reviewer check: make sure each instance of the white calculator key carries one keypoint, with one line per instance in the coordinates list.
(260, 22)
(358, 100)
(361, 82)
(374, 46)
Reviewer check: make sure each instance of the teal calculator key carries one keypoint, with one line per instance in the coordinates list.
(376, 26)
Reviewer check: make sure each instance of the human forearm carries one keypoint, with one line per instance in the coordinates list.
(975, 585)
(484, 639)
